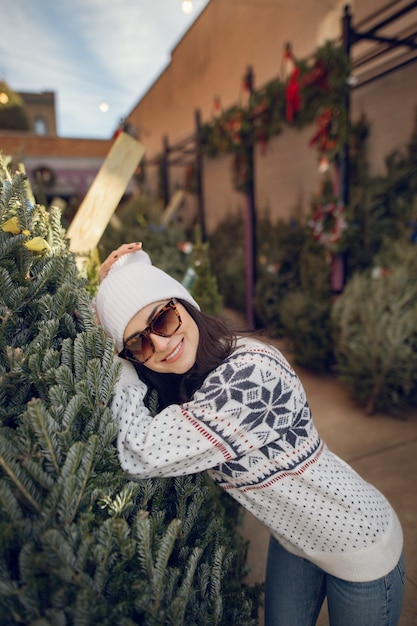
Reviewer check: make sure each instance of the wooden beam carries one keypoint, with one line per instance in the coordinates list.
(104, 194)
(175, 203)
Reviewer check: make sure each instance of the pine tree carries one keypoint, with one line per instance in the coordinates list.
(227, 256)
(139, 219)
(81, 544)
(381, 207)
(374, 328)
(204, 284)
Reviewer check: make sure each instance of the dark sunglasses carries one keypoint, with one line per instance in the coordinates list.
(139, 347)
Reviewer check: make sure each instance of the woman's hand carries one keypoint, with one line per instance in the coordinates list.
(113, 256)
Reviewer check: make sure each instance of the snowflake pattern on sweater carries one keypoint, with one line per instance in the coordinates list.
(271, 412)
(250, 427)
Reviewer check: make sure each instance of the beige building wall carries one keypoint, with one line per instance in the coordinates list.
(390, 105)
(210, 61)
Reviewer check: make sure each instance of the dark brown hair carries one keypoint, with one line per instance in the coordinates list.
(217, 341)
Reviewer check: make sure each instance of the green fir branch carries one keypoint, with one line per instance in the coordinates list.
(18, 477)
(178, 606)
(45, 430)
(74, 477)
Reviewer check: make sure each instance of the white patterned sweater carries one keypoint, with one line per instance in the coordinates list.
(250, 427)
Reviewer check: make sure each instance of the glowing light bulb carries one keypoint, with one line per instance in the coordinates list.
(187, 6)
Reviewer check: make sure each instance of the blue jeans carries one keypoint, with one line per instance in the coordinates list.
(295, 590)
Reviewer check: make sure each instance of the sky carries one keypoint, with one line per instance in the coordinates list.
(90, 52)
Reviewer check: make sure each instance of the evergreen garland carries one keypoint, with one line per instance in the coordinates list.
(322, 86)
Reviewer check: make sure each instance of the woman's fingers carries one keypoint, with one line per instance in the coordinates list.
(126, 248)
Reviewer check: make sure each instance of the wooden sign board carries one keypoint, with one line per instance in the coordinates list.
(104, 195)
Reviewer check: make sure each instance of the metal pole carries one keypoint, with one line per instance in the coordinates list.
(344, 168)
(199, 172)
(338, 259)
(165, 173)
(250, 220)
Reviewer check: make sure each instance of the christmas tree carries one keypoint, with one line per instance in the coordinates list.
(199, 278)
(374, 328)
(140, 219)
(81, 544)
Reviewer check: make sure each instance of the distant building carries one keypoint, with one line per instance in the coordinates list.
(57, 167)
(40, 110)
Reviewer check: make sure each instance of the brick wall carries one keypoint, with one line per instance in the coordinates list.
(22, 145)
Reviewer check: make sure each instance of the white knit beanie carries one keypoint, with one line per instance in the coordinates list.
(131, 284)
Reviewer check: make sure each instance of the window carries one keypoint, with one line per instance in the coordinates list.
(40, 126)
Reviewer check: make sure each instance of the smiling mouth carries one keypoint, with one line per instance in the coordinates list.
(175, 352)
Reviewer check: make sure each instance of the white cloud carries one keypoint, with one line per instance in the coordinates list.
(88, 51)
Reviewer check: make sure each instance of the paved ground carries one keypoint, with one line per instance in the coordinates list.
(382, 449)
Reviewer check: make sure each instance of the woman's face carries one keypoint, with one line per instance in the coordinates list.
(173, 355)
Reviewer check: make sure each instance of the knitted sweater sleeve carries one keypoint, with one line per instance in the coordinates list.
(249, 401)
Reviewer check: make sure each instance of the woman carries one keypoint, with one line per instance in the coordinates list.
(234, 407)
